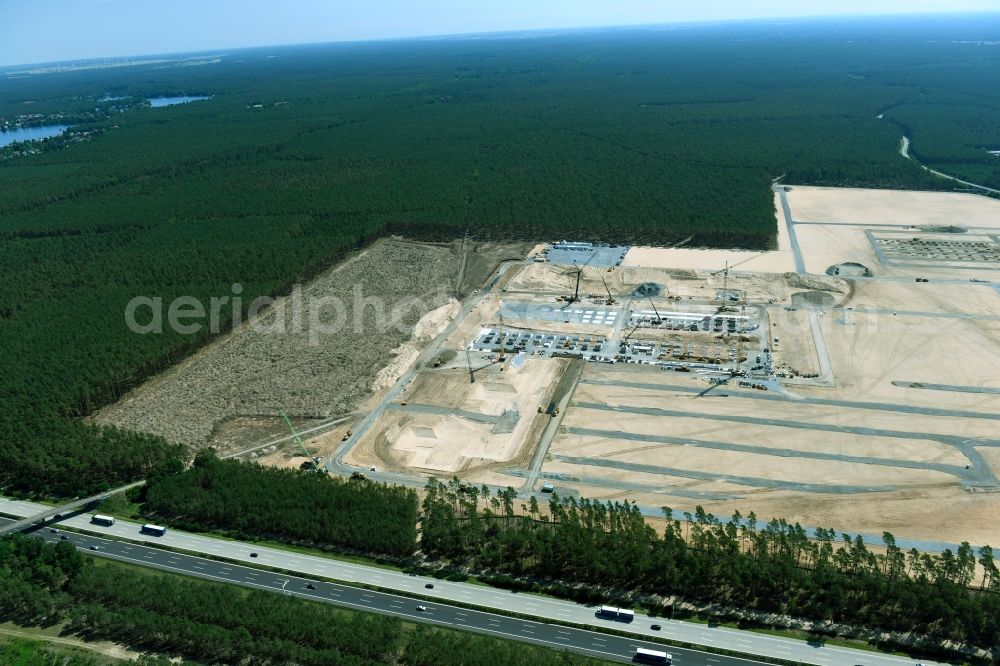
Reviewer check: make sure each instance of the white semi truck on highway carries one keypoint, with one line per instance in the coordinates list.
(615, 613)
(644, 656)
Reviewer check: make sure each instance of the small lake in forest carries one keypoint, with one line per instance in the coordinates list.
(30, 133)
(157, 102)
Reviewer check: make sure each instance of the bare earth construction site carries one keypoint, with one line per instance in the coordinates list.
(849, 379)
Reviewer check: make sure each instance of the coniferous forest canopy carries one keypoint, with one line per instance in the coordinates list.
(589, 550)
(252, 501)
(214, 623)
(304, 153)
(585, 548)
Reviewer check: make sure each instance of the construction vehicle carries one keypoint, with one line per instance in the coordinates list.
(569, 300)
(726, 297)
(659, 320)
(611, 299)
(503, 338)
(312, 462)
(359, 476)
(347, 436)
(555, 411)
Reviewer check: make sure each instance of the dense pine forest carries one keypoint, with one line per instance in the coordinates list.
(251, 501)
(213, 623)
(303, 154)
(586, 548)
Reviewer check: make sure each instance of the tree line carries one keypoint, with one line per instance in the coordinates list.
(772, 567)
(587, 549)
(215, 623)
(251, 501)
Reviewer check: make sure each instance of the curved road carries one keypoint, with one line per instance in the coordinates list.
(904, 150)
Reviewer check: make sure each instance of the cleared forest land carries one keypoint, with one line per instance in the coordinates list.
(230, 393)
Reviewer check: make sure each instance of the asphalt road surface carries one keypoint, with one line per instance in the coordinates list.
(542, 608)
(590, 643)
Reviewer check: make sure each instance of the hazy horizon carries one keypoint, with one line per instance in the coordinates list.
(112, 29)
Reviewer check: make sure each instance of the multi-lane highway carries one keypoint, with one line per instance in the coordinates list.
(542, 608)
(590, 643)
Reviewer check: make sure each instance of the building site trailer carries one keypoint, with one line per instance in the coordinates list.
(644, 656)
(99, 519)
(155, 530)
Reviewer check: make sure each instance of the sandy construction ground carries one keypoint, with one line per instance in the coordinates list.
(883, 414)
(831, 226)
(905, 435)
(827, 245)
(443, 427)
(970, 299)
(666, 447)
(775, 261)
(880, 349)
(892, 207)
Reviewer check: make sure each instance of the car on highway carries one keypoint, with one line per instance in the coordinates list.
(253, 554)
(429, 586)
(95, 548)
(422, 609)
(310, 586)
(53, 530)
(655, 627)
(64, 537)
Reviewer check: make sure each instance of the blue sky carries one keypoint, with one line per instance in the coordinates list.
(46, 30)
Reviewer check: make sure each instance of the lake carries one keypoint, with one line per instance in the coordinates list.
(157, 102)
(30, 133)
